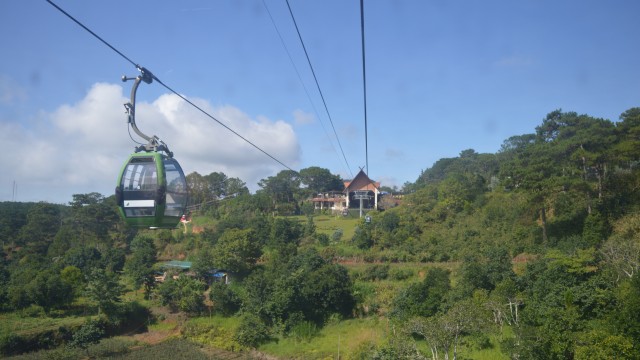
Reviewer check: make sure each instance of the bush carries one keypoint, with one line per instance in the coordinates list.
(323, 239)
(375, 272)
(212, 333)
(10, 344)
(362, 238)
(34, 311)
(129, 316)
(337, 235)
(252, 332)
(184, 294)
(89, 333)
(400, 274)
(225, 301)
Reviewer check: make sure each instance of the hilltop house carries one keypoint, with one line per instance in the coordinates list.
(361, 187)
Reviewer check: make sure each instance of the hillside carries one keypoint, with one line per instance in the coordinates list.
(532, 252)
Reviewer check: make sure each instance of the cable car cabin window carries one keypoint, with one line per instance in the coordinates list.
(176, 188)
(140, 184)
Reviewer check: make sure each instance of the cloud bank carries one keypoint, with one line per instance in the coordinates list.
(80, 148)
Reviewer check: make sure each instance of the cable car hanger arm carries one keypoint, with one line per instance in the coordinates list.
(153, 142)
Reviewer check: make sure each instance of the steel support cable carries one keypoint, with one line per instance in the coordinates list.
(364, 85)
(222, 124)
(318, 86)
(92, 33)
(284, 45)
(169, 88)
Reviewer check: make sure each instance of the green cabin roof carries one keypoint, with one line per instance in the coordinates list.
(176, 264)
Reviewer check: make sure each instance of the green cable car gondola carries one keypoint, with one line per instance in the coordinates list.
(151, 191)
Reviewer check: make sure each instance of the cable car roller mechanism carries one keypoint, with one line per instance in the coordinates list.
(151, 191)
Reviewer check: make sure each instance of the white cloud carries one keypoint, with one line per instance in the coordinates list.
(80, 148)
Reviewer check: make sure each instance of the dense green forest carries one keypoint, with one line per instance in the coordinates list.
(529, 253)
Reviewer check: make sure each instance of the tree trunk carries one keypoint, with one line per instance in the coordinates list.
(455, 346)
(543, 219)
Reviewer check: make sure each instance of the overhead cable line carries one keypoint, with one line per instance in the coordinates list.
(364, 85)
(223, 125)
(92, 33)
(284, 45)
(140, 68)
(318, 86)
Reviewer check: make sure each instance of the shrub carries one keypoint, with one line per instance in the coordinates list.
(400, 274)
(323, 239)
(126, 317)
(225, 301)
(34, 311)
(89, 333)
(337, 235)
(212, 333)
(252, 332)
(376, 272)
(10, 343)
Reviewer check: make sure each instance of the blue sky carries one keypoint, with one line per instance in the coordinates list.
(442, 77)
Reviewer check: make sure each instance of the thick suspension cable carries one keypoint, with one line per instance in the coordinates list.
(222, 124)
(364, 85)
(92, 33)
(318, 86)
(293, 64)
(169, 88)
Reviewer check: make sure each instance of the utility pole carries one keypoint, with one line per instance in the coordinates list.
(361, 195)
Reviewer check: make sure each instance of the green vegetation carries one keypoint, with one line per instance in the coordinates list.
(336, 338)
(532, 253)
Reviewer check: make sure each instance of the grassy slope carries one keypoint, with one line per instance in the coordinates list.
(342, 337)
(16, 324)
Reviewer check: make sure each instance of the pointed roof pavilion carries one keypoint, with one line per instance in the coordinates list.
(361, 182)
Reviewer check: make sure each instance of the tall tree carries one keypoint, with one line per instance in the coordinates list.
(91, 218)
(184, 294)
(628, 129)
(622, 250)
(424, 298)
(104, 290)
(235, 186)
(198, 188)
(236, 251)
(43, 222)
(139, 267)
(320, 180)
(282, 189)
(217, 184)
